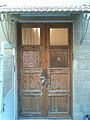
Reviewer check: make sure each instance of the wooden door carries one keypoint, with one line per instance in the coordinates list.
(44, 66)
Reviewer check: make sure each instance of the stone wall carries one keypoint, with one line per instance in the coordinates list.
(81, 69)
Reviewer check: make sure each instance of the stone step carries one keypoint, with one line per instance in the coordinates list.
(45, 119)
(26, 118)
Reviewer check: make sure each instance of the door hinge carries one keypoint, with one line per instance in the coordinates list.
(72, 56)
(14, 68)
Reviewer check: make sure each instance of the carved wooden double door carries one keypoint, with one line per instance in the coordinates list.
(44, 66)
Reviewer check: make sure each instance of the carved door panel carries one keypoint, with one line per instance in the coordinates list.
(59, 71)
(44, 66)
(59, 84)
(31, 87)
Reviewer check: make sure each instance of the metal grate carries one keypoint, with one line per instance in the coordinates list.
(0, 67)
(7, 74)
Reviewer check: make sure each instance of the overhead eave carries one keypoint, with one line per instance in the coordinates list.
(34, 9)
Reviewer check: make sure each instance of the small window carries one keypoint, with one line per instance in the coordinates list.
(30, 36)
(58, 36)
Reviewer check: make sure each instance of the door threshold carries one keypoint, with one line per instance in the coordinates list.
(44, 118)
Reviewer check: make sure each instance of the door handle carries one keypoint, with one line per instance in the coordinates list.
(43, 82)
(44, 78)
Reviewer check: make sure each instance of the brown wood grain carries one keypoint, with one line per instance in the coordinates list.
(55, 99)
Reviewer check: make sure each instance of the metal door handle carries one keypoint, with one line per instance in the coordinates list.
(44, 78)
(43, 82)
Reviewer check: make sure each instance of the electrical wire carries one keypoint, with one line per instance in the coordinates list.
(7, 26)
(4, 32)
(85, 32)
(83, 23)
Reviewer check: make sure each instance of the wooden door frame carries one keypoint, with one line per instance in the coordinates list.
(70, 26)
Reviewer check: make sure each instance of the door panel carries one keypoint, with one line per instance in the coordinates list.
(59, 92)
(45, 71)
(31, 59)
(58, 58)
(59, 73)
(31, 93)
(59, 80)
(58, 103)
